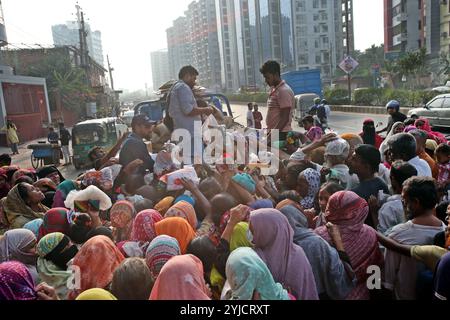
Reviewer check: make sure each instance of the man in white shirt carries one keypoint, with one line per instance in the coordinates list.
(403, 146)
(419, 198)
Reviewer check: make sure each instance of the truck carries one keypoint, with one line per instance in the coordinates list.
(307, 86)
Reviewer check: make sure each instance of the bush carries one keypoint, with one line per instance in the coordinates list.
(367, 97)
(337, 96)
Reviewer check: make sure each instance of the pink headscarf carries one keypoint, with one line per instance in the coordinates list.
(437, 136)
(347, 210)
(181, 278)
(274, 243)
(144, 226)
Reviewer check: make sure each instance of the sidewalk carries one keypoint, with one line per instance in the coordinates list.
(23, 159)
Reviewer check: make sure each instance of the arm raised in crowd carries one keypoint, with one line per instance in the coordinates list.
(199, 197)
(319, 143)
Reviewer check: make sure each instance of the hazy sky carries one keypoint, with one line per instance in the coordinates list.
(132, 29)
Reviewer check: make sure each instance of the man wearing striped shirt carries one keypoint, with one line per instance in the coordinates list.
(281, 100)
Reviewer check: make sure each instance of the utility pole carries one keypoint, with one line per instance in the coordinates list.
(110, 69)
(347, 29)
(84, 53)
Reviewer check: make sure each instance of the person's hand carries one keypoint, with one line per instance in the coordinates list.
(310, 216)
(111, 162)
(239, 214)
(188, 184)
(328, 138)
(45, 292)
(374, 204)
(335, 234)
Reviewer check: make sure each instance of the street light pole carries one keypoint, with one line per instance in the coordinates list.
(347, 29)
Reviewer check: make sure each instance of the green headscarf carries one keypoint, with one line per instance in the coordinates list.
(247, 273)
(239, 237)
(47, 270)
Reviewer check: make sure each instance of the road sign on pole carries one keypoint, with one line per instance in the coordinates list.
(348, 65)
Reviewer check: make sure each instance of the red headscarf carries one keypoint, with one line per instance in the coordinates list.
(144, 226)
(97, 260)
(348, 211)
(55, 220)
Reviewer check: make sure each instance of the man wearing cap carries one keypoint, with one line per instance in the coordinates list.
(134, 147)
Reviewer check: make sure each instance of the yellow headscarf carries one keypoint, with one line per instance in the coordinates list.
(96, 294)
(164, 205)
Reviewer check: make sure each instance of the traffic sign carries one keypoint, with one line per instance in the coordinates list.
(348, 65)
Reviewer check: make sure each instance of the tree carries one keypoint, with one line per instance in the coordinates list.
(413, 63)
(63, 79)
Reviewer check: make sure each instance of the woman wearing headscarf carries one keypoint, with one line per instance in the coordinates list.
(22, 205)
(329, 271)
(424, 124)
(96, 295)
(369, 134)
(55, 220)
(4, 185)
(121, 216)
(50, 172)
(250, 279)
(185, 273)
(159, 251)
(132, 280)
(308, 187)
(273, 238)
(62, 191)
(55, 250)
(348, 211)
(164, 205)
(398, 127)
(20, 173)
(96, 260)
(143, 229)
(20, 245)
(184, 210)
(178, 228)
(16, 282)
(34, 226)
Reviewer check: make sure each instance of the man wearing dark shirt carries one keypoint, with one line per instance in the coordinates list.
(365, 164)
(393, 109)
(135, 148)
(65, 137)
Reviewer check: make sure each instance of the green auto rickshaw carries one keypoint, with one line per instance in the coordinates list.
(102, 133)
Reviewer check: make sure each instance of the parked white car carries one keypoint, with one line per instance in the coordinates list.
(437, 111)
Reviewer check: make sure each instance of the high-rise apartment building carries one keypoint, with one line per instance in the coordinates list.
(300, 34)
(160, 68)
(178, 46)
(193, 40)
(412, 24)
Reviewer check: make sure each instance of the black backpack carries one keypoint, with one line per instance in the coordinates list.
(168, 121)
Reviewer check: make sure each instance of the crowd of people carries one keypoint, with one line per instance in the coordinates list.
(143, 226)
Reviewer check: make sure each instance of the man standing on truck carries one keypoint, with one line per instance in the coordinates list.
(281, 100)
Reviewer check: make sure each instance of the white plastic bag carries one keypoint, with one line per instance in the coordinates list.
(173, 180)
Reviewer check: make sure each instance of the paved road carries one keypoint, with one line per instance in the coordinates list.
(340, 122)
